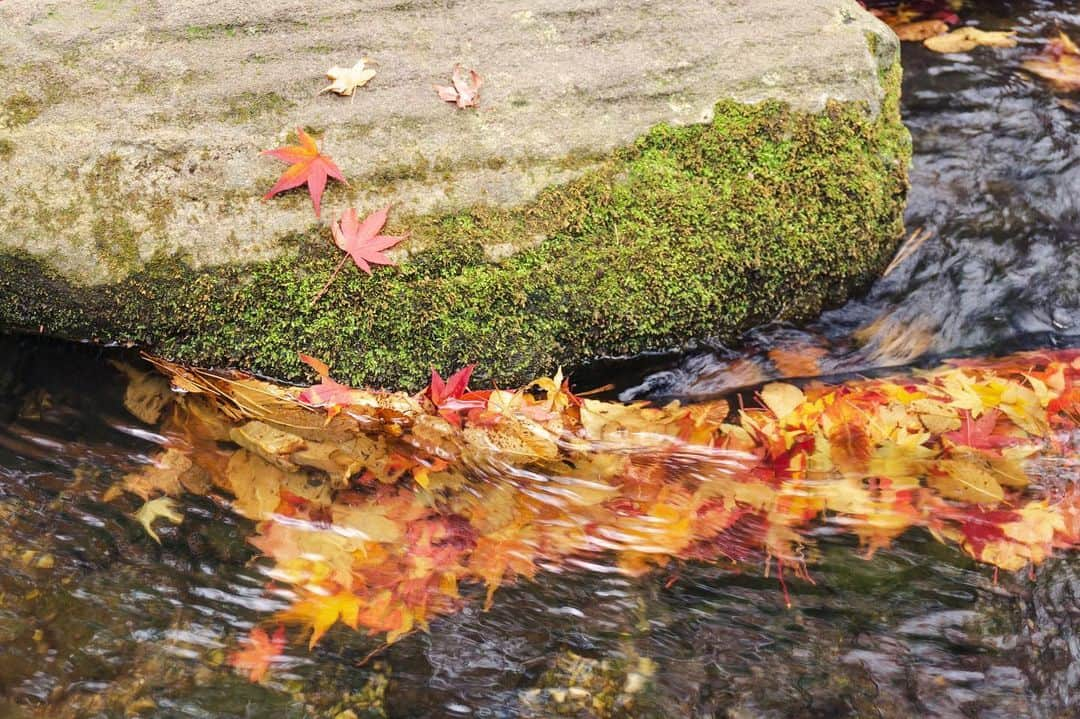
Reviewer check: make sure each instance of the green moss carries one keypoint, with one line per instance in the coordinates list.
(692, 232)
(116, 242)
(247, 106)
(206, 32)
(19, 109)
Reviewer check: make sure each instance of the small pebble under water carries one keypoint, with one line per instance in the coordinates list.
(96, 620)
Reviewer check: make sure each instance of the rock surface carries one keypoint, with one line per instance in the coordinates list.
(130, 133)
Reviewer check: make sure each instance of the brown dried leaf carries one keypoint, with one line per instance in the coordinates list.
(147, 394)
(270, 443)
(921, 30)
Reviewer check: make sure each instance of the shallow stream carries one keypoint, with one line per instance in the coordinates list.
(96, 620)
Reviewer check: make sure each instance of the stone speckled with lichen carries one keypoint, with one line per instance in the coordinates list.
(614, 193)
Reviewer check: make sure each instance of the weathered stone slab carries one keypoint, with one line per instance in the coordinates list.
(600, 159)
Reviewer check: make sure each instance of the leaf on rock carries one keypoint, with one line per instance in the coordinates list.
(465, 90)
(362, 239)
(307, 166)
(260, 652)
(968, 38)
(345, 80)
(160, 508)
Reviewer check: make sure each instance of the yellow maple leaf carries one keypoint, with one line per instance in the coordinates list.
(320, 612)
(782, 398)
(968, 38)
(160, 508)
(345, 80)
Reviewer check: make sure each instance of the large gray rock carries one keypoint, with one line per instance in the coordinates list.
(131, 131)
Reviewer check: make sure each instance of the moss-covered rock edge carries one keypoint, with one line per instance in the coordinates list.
(691, 233)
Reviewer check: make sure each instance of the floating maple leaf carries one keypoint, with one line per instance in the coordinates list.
(969, 38)
(920, 30)
(346, 511)
(1058, 63)
(465, 91)
(451, 388)
(261, 651)
(308, 165)
(345, 80)
(328, 393)
(450, 395)
(917, 21)
(979, 433)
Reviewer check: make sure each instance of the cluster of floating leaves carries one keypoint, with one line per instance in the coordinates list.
(929, 22)
(375, 508)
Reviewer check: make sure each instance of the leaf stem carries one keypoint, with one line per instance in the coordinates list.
(333, 276)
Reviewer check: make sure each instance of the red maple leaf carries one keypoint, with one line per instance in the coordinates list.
(980, 526)
(261, 651)
(979, 433)
(452, 394)
(308, 165)
(452, 388)
(362, 239)
(465, 92)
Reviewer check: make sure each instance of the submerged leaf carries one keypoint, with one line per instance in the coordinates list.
(260, 652)
(920, 30)
(160, 508)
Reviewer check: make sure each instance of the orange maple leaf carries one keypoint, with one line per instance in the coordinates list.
(328, 392)
(1059, 63)
(308, 165)
(261, 651)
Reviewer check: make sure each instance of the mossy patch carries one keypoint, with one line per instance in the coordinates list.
(19, 109)
(247, 106)
(692, 232)
(207, 32)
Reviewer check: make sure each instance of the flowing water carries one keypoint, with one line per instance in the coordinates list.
(96, 620)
